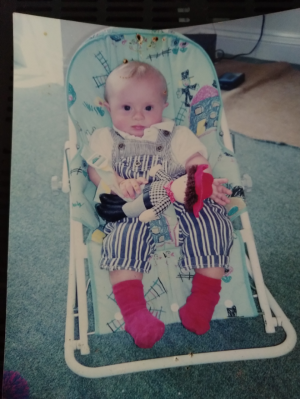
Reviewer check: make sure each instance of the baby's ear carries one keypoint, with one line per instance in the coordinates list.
(165, 105)
(106, 105)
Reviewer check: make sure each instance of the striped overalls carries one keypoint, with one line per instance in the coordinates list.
(205, 241)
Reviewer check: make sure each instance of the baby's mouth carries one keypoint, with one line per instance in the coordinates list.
(138, 127)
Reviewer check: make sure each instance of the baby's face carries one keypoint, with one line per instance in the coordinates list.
(135, 104)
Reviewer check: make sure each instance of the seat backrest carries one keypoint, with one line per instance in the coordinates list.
(188, 70)
(193, 90)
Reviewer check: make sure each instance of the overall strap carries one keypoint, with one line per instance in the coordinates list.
(174, 169)
(123, 148)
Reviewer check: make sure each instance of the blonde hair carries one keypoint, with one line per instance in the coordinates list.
(136, 69)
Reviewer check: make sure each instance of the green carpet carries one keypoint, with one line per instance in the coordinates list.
(38, 272)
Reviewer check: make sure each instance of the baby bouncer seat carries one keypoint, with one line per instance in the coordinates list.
(194, 101)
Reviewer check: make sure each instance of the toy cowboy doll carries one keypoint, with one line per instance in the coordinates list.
(190, 189)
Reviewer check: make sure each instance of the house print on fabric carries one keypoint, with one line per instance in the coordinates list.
(205, 107)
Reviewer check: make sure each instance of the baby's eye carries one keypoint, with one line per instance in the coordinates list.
(127, 107)
(149, 108)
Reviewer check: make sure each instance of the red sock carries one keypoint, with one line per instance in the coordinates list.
(196, 314)
(144, 328)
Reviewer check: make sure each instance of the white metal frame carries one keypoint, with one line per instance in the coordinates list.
(76, 285)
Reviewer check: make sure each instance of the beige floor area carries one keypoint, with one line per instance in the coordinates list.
(267, 105)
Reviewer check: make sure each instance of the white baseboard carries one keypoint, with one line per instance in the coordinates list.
(273, 47)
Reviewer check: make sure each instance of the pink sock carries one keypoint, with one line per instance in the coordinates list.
(196, 314)
(144, 328)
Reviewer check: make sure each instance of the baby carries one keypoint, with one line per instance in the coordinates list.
(136, 96)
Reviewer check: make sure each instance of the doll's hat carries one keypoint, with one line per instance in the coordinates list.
(203, 187)
(185, 75)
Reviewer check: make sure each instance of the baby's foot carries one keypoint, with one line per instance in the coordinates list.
(144, 328)
(196, 314)
(193, 320)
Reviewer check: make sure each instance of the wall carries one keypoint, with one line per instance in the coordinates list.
(280, 41)
(34, 67)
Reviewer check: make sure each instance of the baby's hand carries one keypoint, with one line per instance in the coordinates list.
(131, 187)
(219, 192)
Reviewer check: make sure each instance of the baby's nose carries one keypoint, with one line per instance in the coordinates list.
(138, 115)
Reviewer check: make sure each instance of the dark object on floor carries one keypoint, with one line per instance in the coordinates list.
(14, 386)
(207, 41)
(229, 80)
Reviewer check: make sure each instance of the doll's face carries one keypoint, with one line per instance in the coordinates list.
(178, 188)
(136, 104)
